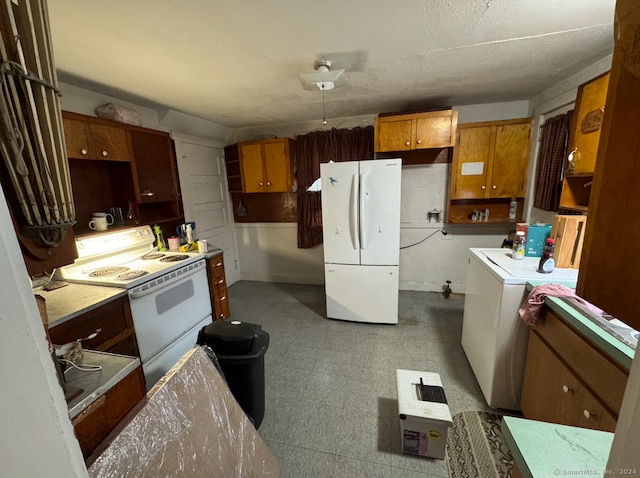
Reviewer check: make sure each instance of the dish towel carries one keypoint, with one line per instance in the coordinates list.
(533, 303)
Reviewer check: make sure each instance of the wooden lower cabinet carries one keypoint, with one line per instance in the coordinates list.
(114, 320)
(218, 288)
(95, 423)
(569, 380)
(552, 393)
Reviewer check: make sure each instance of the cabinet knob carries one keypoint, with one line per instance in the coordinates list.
(588, 414)
(261, 183)
(493, 187)
(268, 183)
(84, 152)
(224, 297)
(220, 281)
(147, 193)
(104, 153)
(483, 188)
(419, 141)
(567, 389)
(218, 264)
(408, 143)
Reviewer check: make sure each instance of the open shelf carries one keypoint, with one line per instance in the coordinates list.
(461, 211)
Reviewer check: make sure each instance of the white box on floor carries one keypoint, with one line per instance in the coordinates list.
(423, 424)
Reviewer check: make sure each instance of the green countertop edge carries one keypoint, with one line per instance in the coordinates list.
(538, 446)
(618, 351)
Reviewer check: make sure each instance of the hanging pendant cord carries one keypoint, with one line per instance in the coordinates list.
(324, 119)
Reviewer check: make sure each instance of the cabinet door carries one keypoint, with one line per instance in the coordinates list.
(154, 167)
(510, 160)
(552, 393)
(277, 167)
(108, 142)
(394, 135)
(95, 141)
(586, 124)
(252, 168)
(470, 162)
(76, 139)
(435, 132)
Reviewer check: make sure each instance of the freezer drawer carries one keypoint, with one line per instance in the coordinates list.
(362, 293)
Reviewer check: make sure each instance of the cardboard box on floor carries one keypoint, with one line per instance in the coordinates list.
(190, 425)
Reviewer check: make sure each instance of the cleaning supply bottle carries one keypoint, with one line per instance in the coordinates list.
(547, 262)
(160, 243)
(519, 243)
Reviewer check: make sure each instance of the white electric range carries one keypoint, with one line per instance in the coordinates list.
(168, 291)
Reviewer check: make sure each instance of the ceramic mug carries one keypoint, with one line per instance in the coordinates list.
(100, 221)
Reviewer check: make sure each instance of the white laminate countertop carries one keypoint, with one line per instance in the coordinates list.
(73, 300)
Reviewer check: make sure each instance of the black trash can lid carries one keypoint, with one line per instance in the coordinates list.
(230, 337)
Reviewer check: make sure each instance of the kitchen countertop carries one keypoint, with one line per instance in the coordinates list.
(543, 450)
(73, 300)
(97, 383)
(212, 251)
(617, 350)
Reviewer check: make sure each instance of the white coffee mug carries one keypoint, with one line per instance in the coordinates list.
(100, 221)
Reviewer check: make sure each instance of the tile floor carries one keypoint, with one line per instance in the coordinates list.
(331, 399)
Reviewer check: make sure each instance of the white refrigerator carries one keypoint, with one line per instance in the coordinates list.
(494, 338)
(361, 234)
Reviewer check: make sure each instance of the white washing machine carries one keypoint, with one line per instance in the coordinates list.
(494, 337)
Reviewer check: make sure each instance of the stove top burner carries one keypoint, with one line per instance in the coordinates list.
(152, 255)
(131, 275)
(178, 257)
(108, 271)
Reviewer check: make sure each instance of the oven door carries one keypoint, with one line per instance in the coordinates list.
(166, 311)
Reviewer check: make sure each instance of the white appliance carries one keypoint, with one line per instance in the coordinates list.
(361, 235)
(168, 291)
(494, 337)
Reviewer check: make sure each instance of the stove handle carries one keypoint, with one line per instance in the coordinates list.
(137, 292)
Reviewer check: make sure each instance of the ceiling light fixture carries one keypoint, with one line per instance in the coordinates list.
(324, 79)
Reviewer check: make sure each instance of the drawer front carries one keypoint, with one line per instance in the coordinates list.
(113, 318)
(94, 426)
(596, 370)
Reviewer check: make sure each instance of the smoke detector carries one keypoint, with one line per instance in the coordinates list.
(324, 79)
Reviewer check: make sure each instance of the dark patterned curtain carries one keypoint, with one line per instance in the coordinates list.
(553, 149)
(321, 147)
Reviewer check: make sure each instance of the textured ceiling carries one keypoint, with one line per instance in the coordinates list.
(237, 62)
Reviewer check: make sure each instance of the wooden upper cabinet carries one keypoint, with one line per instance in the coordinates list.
(267, 166)
(96, 141)
(586, 124)
(490, 160)
(435, 129)
(584, 141)
(154, 166)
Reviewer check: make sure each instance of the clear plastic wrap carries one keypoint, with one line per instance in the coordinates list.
(190, 426)
(119, 113)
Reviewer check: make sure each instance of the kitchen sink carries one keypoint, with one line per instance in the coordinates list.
(614, 327)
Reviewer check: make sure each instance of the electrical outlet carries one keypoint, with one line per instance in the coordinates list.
(448, 237)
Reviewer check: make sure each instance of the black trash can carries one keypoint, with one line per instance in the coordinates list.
(240, 349)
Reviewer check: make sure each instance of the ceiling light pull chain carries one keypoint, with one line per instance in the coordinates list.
(324, 120)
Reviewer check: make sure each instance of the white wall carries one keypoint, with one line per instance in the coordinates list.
(424, 187)
(36, 436)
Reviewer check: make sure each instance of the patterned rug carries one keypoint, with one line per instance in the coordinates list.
(476, 447)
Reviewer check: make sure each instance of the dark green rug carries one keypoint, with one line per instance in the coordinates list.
(476, 447)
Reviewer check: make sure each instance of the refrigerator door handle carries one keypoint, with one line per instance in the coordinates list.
(353, 212)
(363, 237)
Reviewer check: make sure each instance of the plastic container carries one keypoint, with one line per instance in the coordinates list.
(547, 262)
(513, 209)
(519, 246)
(240, 349)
